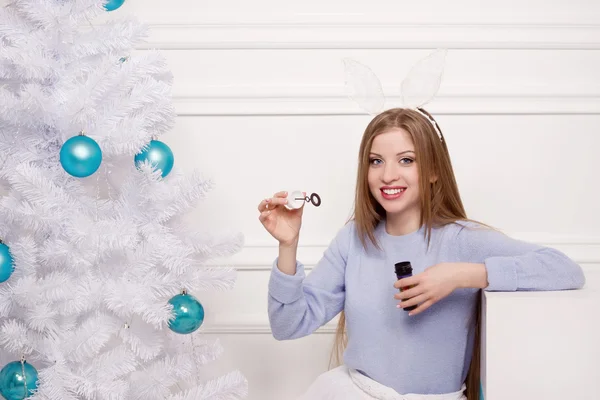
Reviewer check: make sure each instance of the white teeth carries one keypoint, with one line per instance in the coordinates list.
(392, 191)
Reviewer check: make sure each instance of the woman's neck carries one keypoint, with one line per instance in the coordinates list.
(402, 224)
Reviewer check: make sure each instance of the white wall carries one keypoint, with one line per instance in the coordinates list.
(259, 90)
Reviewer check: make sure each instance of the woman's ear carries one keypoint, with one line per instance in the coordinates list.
(433, 179)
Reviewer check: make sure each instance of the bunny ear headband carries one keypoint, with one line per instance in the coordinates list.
(418, 88)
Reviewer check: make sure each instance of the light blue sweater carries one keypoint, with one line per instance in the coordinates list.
(428, 353)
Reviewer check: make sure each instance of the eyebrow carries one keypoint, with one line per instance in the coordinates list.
(399, 154)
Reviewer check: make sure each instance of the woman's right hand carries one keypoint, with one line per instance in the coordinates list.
(282, 223)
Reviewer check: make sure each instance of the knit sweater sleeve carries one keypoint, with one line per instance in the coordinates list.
(299, 304)
(513, 264)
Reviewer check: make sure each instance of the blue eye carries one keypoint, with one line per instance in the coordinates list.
(374, 160)
(406, 160)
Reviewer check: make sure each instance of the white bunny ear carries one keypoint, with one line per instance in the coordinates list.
(363, 86)
(422, 83)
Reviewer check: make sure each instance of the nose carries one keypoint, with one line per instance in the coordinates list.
(390, 173)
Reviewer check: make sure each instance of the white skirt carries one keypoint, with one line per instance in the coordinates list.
(343, 383)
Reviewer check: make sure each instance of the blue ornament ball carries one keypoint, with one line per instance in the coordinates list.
(188, 314)
(159, 155)
(80, 156)
(12, 381)
(6, 263)
(112, 5)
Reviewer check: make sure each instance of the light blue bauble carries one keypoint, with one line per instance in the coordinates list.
(188, 314)
(112, 5)
(159, 155)
(80, 156)
(6, 263)
(12, 381)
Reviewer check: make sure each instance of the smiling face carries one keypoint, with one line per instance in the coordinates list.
(393, 177)
(404, 176)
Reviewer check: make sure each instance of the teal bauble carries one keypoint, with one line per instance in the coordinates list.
(6, 263)
(80, 156)
(188, 314)
(13, 384)
(159, 155)
(112, 5)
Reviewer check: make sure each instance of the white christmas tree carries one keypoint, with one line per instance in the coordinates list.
(101, 278)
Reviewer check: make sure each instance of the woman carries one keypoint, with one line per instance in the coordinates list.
(407, 208)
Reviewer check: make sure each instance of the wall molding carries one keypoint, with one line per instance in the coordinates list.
(354, 35)
(260, 256)
(338, 104)
(306, 99)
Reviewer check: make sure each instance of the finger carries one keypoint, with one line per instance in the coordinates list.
(408, 293)
(410, 281)
(283, 193)
(262, 206)
(414, 301)
(422, 308)
(277, 201)
(264, 216)
(270, 203)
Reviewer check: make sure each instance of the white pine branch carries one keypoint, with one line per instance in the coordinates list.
(57, 17)
(56, 382)
(158, 198)
(44, 319)
(108, 235)
(111, 38)
(113, 364)
(23, 251)
(210, 279)
(232, 386)
(90, 336)
(52, 200)
(6, 301)
(17, 34)
(153, 382)
(124, 105)
(15, 337)
(185, 194)
(126, 297)
(25, 109)
(86, 295)
(104, 377)
(56, 290)
(200, 351)
(13, 211)
(142, 339)
(209, 248)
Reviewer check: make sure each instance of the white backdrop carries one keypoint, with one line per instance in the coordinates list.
(259, 92)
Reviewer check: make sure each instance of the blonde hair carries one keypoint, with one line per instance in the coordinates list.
(441, 203)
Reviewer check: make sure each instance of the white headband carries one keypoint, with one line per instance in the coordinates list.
(418, 88)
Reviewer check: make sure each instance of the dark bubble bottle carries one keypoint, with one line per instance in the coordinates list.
(404, 270)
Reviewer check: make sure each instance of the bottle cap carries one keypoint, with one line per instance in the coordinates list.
(403, 268)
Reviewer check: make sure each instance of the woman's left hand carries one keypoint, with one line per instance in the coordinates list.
(437, 282)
